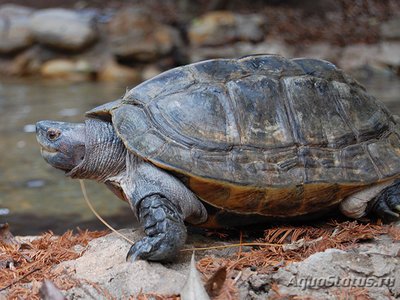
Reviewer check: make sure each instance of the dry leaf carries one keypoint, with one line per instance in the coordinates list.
(6, 237)
(215, 283)
(193, 288)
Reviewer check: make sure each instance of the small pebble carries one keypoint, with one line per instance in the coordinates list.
(30, 128)
(68, 112)
(4, 211)
(36, 183)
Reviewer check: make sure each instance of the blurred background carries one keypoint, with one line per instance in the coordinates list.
(60, 58)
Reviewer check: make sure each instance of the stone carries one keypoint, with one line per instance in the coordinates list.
(220, 27)
(239, 49)
(357, 56)
(66, 69)
(202, 53)
(380, 56)
(12, 10)
(324, 274)
(29, 61)
(390, 30)
(135, 35)
(14, 28)
(270, 46)
(104, 264)
(320, 50)
(62, 29)
(150, 71)
(389, 54)
(112, 71)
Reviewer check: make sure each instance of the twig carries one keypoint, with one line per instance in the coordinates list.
(233, 245)
(83, 188)
(19, 279)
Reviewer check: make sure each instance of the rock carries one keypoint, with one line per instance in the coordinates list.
(104, 264)
(324, 274)
(66, 69)
(14, 28)
(320, 50)
(357, 56)
(13, 10)
(221, 27)
(197, 54)
(269, 46)
(390, 30)
(29, 62)
(384, 55)
(241, 49)
(150, 71)
(135, 35)
(389, 54)
(62, 29)
(112, 71)
(49, 291)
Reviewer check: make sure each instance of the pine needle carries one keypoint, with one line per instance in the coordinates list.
(87, 200)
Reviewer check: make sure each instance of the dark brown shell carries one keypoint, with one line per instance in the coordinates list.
(283, 129)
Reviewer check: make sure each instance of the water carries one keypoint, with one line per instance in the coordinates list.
(35, 197)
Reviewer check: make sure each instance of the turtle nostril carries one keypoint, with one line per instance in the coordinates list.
(39, 127)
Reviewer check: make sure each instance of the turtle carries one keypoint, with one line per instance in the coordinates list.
(231, 142)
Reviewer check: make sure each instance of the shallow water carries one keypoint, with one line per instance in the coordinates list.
(34, 196)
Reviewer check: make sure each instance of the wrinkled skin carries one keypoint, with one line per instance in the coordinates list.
(159, 200)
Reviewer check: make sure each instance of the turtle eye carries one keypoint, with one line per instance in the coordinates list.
(53, 134)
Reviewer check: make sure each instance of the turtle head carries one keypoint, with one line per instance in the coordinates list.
(62, 144)
(90, 150)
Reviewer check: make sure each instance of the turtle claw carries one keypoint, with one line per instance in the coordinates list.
(164, 228)
(387, 203)
(141, 249)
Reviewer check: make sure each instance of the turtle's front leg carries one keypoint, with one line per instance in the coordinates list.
(163, 225)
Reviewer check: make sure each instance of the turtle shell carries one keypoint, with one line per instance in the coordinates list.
(261, 134)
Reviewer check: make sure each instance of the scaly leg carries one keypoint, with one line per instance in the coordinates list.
(387, 204)
(165, 230)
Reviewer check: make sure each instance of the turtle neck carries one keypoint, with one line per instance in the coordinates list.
(105, 153)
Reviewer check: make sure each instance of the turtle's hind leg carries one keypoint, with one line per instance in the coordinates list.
(386, 205)
(164, 227)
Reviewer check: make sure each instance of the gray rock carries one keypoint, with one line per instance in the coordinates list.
(240, 49)
(357, 56)
(15, 33)
(270, 46)
(104, 264)
(221, 27)
(320, 50)
(12, 10)
(63, 29)
(324, 274)
(380, 56)
(390, 54)
(391, 29)
(135, 35)
(372, 268)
